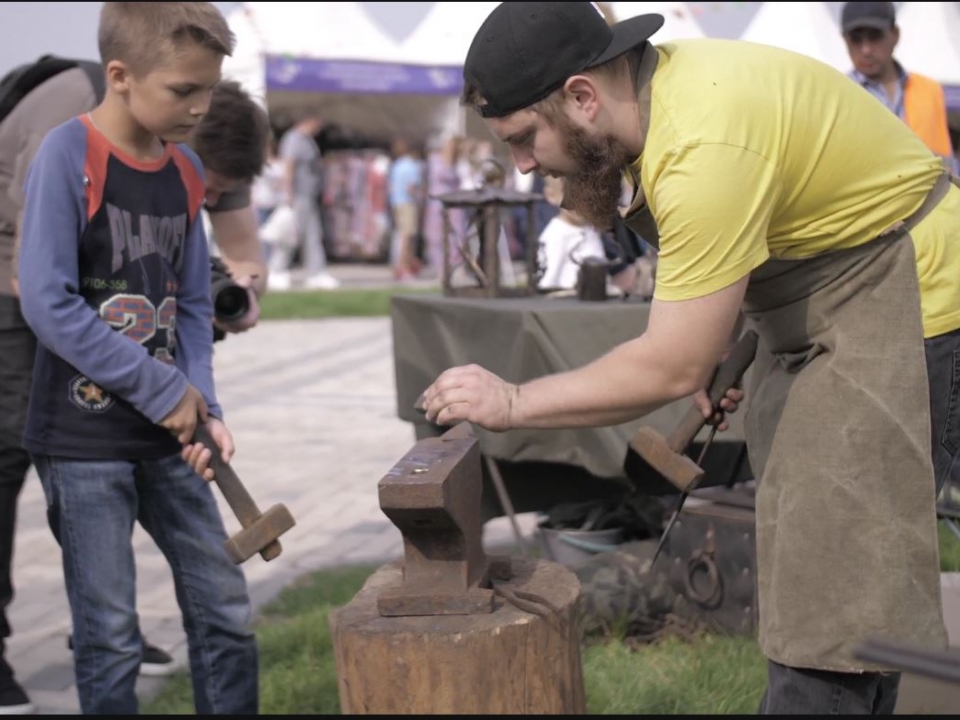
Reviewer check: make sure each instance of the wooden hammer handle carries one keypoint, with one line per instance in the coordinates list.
(728, 374)
(233, 490)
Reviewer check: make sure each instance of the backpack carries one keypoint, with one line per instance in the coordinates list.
(17, 83)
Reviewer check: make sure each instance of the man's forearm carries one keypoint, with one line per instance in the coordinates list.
(240, 248)
(629, 382)
(672, 360)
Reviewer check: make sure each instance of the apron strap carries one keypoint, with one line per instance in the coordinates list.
(937, 193)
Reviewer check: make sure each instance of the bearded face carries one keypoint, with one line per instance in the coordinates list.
(593, 189)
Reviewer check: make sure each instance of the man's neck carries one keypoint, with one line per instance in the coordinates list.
(632, 120)
(888, 77)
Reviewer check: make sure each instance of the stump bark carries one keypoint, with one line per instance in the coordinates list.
(509, 661)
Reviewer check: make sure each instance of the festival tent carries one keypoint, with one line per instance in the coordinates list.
(678, 20)
(930, 45)
(804, 27)
(378, 80)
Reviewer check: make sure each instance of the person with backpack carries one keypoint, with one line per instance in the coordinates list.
(230, 141)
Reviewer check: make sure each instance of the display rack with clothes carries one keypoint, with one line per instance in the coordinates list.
(355, 203)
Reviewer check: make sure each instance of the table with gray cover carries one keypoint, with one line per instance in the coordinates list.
(520, 339)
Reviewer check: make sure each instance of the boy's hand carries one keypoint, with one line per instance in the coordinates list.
(182, 420)
(198, 456)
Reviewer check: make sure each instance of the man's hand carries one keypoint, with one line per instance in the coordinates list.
(198, 456)
(471, 394)
(253, 314)
(182, 420)
(729, 404)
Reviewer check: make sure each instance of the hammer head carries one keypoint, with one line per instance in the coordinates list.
(680, 470)
(261, 536)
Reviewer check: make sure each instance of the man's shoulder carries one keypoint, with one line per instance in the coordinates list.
(65, 95)
(290, 137)
(917, 79)
(237, 199)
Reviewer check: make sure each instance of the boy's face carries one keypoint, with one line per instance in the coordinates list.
(170, 100)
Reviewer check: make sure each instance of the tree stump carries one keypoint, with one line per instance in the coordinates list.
(509, 661)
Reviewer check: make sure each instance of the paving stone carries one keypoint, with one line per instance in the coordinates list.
(316, 429)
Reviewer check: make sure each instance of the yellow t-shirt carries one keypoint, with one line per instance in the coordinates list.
(755, 152)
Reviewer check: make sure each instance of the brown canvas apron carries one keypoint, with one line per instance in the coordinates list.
(838, 433)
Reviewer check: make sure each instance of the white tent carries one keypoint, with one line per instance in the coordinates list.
(246, 64)
(804, 27)
(678, 20)
(443, 37)
(930, 40)
(335, 57)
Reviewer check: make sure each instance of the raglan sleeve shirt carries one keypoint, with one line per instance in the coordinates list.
(54, 219)
(195, 307)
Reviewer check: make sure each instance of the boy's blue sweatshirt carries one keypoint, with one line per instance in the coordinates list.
(114, 275)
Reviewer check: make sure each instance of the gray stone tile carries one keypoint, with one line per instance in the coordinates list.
(316, 429)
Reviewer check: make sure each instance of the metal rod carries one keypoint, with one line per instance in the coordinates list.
(683, 497)
(505, 501)
(936, 664)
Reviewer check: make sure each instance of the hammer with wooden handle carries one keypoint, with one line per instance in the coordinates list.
(666, 455)
(260, 530)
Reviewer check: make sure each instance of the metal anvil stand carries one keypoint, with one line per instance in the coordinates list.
(449, 629)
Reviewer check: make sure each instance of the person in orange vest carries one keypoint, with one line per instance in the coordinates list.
(871, 33)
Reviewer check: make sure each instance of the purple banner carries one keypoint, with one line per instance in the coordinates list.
(952, 94)
(352, 76)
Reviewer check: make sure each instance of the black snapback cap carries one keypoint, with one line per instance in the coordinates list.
(526, 50)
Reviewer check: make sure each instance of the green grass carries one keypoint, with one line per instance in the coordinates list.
(313, 305)
(711, 674)
(949, 550)
(298, 671)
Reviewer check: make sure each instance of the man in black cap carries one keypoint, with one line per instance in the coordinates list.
(775, 188)
(871, 33)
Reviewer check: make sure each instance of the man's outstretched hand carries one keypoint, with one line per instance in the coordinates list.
(470, 394)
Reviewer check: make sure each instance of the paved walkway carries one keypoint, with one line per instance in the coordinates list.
(316, 428)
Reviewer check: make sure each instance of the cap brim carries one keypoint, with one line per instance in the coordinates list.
(628, 34)
(871, 23)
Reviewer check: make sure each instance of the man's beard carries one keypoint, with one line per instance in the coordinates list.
(593, 190)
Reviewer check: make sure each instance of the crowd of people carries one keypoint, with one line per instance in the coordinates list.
(835, 235)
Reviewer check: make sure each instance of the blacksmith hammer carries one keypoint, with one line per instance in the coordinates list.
(666, 455)
(260, 530)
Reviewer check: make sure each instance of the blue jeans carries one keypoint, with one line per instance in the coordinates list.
(92, 506)
(791, 691)
(943, 372)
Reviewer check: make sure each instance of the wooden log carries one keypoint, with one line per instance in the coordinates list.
(510, 661)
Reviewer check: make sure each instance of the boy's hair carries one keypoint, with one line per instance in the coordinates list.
(231, 140)
(143, 35)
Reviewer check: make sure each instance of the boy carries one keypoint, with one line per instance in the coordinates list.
(230, 142)
(113, 245)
